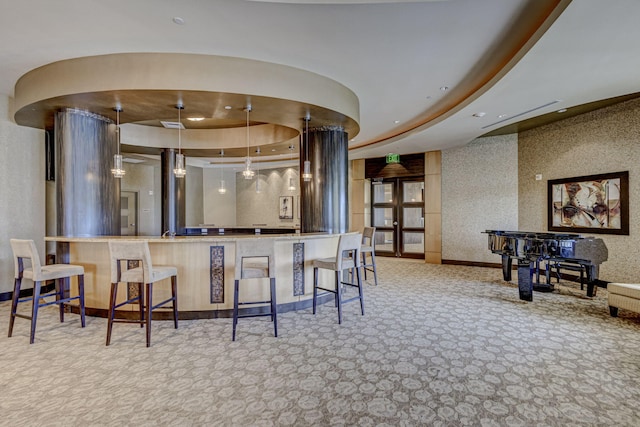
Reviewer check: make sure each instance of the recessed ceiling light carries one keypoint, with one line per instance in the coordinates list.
(227, 107)
(502, 116)
(562, 110)
(195, 119)
(396, 121)
(444, 88)
(177, 20)
(479, 114)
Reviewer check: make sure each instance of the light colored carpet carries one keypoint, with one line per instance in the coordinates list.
(438, 346)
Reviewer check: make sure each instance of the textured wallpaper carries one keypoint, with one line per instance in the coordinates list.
(22, 190)
(479, 192)
(602, 141)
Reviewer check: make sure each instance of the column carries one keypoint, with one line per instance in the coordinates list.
(173, 195)
(87, 194)
(324, 199)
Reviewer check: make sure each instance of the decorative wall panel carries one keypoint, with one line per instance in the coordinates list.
(216, 274)
(298, 269)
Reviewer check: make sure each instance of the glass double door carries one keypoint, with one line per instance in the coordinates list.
(397, 211)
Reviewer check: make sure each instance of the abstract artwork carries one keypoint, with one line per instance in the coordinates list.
(590, 204)
(285, 210)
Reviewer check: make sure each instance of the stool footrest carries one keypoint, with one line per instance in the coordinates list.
(242, 316)
(153, 307)
(129, 301)
(22, 316)
(254, 302)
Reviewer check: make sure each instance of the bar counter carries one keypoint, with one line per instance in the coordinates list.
(206, 270)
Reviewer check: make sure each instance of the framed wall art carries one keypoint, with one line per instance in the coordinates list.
(589, 204)
(285, 210)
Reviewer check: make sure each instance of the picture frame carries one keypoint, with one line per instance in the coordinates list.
(589, 204)
(285, 207)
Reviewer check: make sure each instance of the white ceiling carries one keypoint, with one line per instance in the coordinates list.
(395, 56)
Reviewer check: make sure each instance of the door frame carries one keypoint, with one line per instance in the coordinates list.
(136, 197)
(397, 227)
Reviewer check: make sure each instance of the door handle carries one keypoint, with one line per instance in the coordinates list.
(395, 222)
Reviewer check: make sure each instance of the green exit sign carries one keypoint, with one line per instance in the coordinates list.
(393, 158)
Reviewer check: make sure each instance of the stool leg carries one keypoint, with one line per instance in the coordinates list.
(148, 300)
(360, 290)
(34, 309)
(315, 288)
(14, 303)
(174, 296)
(59, 283)
(81, 294)
(274, 307)
(339, 297)
(141, 303)
(613, 311)
(375, 271)
(236, 291)
(364, 264)
(112, 310)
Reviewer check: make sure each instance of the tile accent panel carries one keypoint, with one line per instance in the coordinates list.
(298, 269)
(216, 274)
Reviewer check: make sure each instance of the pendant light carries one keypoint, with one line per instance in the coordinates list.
(179, 171)
(292, 182)
(117, 171)
(222, 189)
(306, 171)
(258, 189)
(247, 172)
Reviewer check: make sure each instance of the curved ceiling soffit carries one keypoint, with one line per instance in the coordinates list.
(524, 32)
(148, 86)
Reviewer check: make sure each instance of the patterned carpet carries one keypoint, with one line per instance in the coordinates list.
(439, 346)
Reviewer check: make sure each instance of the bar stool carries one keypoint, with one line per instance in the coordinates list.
(26, 250)
(145, 274)
(347, 258)
(369, 247)
(255, 259)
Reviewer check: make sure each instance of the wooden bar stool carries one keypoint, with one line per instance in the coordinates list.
(255, 259)
(26, 250)
(347, 258)
(131, 263)
(369, 247)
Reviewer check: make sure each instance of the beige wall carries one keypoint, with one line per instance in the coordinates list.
(22, 189)
(194, 207)
(262, 208)
(139, 178)
(602, 141)
(219, 209)
(479, 192)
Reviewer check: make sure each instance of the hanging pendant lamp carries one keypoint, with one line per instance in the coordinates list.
(258, 189)
(117, 170)
(222, 189)
(179, 171)
(248, 173)
(292, 181)
(306, 171)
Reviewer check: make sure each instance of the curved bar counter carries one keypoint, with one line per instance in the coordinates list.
(206, 270)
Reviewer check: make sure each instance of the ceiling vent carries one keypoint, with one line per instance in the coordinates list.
(521, 114)
(172, 125)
